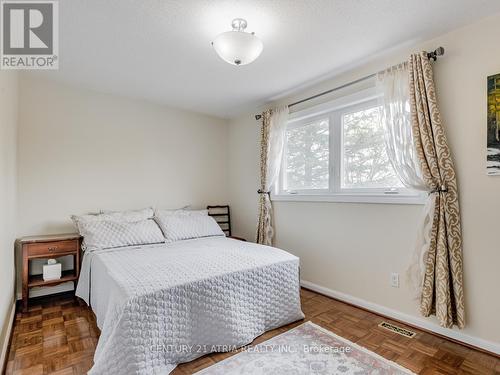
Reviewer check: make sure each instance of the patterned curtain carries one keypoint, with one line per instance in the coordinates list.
(442, 285)
(271, 151)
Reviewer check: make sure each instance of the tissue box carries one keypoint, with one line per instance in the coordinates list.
(51, 271)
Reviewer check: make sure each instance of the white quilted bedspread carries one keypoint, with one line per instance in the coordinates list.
(160, 305)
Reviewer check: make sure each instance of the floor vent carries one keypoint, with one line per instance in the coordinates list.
(398, 330)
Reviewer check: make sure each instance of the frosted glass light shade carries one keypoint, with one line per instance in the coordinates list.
(238, 47)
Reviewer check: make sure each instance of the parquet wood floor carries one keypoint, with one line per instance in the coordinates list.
(58, 335)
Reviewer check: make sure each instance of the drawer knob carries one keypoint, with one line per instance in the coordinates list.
(53, 248)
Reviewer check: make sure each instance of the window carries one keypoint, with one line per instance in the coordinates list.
(336, 152)
(365, 163)
(307, 157)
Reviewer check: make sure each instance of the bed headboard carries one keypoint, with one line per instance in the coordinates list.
(222, 216)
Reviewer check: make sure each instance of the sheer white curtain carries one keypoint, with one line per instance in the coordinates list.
(277, 129)
(272, 144)
(393, 90)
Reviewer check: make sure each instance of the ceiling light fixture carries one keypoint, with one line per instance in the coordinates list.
(238, 47)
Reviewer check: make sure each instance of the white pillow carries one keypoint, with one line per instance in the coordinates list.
(128, 216)
(186, 224)
(118, 229)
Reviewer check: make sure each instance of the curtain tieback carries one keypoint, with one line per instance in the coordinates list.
(260, 191)
(441, 189)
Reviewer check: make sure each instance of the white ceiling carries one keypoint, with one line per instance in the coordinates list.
(160, 50)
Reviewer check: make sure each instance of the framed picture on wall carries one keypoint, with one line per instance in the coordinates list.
(493, 151)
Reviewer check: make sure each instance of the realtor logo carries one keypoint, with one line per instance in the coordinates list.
(30, 35)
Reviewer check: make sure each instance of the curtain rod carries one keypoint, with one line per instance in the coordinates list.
(430, 55)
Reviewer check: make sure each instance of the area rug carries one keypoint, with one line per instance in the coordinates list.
(306, 349)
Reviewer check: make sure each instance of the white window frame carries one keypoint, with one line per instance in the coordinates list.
(335, 193)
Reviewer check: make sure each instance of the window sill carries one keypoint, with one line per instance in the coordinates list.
(353, 198)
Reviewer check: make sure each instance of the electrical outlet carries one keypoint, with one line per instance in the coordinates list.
(395, 280)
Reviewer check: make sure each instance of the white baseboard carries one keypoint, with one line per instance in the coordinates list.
(5, 344)
(489, 346)
(47, 290)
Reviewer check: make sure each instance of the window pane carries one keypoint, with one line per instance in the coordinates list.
(365, 163)
(306, 159)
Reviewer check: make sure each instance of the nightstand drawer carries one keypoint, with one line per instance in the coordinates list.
(49, 248)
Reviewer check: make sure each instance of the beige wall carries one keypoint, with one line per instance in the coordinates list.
(8, 135)
(352, 248)
(81, 151)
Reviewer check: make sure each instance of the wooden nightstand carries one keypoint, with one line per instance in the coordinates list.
(50, 246)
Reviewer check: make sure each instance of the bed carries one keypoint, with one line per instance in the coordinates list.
(163, 304)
